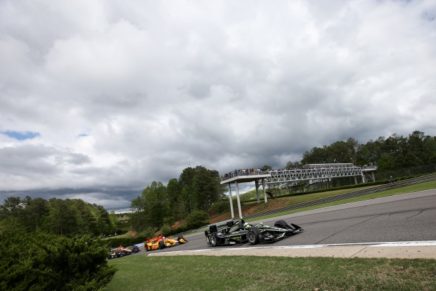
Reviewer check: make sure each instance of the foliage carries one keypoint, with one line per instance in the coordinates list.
(340, 151)
(120, 222)
(166, 229)
(124, 241)
(197, 218)
(65, 217)
(292, 165)
(138, 220)
(41, 261)
(196, 189)
(175, 199)
(266, 168)
(390, 154)
(219, 207)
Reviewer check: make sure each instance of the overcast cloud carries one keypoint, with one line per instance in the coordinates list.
(115, 94)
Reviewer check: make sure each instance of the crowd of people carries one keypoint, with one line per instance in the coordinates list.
(242, 172)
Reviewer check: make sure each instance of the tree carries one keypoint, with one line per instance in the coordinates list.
(42, 261)
(292, 165)
(197, 218)
(206, 188)
(315, 155)
(87, 217)
(392, 154)
(175, 199)
(11, 207)
(369, 153)
(104, 224)
(62, 218)
(337, 152)
(266, 168)
(415, 154)
(152, 206)
(66, 217)
(34, 213)
(429, 148)
(186, 184)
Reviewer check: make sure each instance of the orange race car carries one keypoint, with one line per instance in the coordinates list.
(160, 242)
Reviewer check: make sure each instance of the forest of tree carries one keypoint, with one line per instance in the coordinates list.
(392, 153)
(53, 245)
(191, 195)
(56, 216)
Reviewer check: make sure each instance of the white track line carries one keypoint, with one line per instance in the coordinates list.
(367, 244)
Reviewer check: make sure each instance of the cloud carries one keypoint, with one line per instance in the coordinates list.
(107, 200)
(110, 198)
(122, 94)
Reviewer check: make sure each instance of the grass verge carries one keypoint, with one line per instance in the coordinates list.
(271, 273)
(407, 189)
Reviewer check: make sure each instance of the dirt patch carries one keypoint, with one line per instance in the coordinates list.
(220, 217)
(177, 224)
(132, 233)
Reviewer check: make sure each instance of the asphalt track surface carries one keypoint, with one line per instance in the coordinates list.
(405, 217)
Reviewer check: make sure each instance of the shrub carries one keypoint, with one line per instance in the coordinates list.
(219, 207)
(166, 229)
(51, 262)
(149, 232)
(124, 241)
(196, 219)
(128, 241)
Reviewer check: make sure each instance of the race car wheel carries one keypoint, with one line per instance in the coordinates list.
(253, 236)
(212, 240)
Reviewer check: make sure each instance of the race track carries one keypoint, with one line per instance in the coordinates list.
(405, 217)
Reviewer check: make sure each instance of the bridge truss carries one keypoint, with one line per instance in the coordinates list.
(311, 173)
(317, 173)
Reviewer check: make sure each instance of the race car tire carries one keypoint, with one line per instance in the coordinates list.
(212, 240)
(253, 236)
(161, 245)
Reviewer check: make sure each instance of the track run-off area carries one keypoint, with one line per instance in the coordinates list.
(406, 221)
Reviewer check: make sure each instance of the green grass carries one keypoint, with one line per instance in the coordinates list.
(402, 190)
(250, 196)
(271, 273)
(315, 196)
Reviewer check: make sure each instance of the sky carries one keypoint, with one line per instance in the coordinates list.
(100, 98)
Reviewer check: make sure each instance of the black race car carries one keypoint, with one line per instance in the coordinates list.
(238, 231)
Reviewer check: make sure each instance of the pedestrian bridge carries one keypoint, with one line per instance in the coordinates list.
(320, 172)
(311, 172)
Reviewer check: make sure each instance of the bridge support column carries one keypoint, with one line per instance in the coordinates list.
(264, 191)
(232, 212)
(256, 182)
(239, 201)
